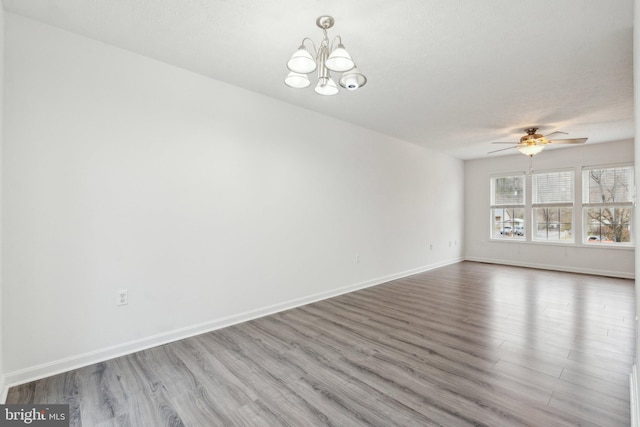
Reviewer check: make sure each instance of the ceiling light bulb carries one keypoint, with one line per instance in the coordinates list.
(340, 60)
(352, 79)
(351, 83)
(326, 86)
(301, 61)
(297, 80)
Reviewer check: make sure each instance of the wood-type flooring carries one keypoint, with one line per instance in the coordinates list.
(466, 344)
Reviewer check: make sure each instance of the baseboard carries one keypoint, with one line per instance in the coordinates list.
(78, 361)
(633, 397)
(595, 272)
(4, 389)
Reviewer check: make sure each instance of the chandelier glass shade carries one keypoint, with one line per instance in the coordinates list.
(297, 80)
(326, 59)
(326, 86)
(340, 60)
(301, 61)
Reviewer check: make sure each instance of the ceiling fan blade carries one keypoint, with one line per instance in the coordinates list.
(502, 149)
(555, 133)
(569, 141)
(503, 142)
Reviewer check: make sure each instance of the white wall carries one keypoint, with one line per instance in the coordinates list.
(635, 401)
(580, 257)
(209, 203)
(2, 376)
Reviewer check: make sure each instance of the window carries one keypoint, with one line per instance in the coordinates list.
(607, 204)
(552, 206)
(507, 206)
(557, 215)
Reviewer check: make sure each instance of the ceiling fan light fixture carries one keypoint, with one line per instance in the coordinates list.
(532, 143)
(530, 149)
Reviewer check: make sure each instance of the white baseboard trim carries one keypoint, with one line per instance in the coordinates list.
(595, 272)
(3, 389)
(633, 397)
(44, 370)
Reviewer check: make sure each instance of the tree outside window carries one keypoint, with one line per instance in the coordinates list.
(607, 204)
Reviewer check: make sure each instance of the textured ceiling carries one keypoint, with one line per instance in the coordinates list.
(451, 75)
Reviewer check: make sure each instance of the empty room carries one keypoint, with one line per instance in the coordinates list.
(242, 213)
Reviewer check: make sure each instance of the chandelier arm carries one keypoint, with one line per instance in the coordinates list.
(333, 43)
(315, 50)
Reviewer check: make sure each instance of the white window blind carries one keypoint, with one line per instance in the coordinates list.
(607, 185)
(553, 187)
(552, 197)
(507, 190)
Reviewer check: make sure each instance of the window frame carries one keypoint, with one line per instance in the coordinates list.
(559, 205)
(579, 222)
(587, 205)
(497, 228)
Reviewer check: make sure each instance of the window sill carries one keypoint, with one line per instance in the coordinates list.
(565, 244)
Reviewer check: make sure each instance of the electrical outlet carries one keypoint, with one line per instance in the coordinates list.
(123, 297)
(357, 259)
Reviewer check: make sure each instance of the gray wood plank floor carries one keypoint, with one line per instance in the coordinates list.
(466, 344)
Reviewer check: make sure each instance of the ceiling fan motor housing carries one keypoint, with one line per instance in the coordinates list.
(533, 138)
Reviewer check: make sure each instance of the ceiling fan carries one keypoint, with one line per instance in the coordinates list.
(533, 143)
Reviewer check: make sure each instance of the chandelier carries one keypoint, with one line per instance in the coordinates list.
(325, 59)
